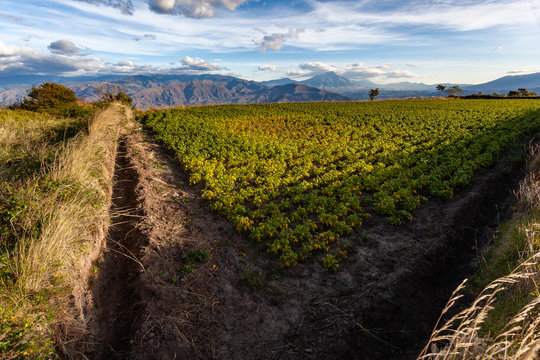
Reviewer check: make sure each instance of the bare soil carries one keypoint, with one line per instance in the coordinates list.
(382, 304)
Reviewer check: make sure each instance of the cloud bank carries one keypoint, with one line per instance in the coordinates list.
(19, 60)
(353, 71)
(65, 60)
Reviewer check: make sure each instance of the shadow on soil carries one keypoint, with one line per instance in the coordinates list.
(117, 305)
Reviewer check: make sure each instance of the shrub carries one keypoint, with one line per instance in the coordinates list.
(49, 96)
(114, 93)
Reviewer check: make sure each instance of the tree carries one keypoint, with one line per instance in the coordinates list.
(523, 92)
(453, 90)
(440, 88)
(111, 93)
(47, 96)
(373, 93)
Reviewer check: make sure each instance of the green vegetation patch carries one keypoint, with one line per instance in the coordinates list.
(193, 259)
(301, 176)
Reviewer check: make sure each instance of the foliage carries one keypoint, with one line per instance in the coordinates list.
(522, 92)
(21, 337)
(373, 93)
(440, 88)
(453, 90)
(109, 94)
(193, 259)
(301, 176)
(54, 99)
(252, 279)
(49, 95)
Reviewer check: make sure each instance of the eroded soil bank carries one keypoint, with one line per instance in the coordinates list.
(238, 304)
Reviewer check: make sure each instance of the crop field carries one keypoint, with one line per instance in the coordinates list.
(300, 177)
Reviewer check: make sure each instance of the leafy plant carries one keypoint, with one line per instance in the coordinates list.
(252, 279)
(193, 259)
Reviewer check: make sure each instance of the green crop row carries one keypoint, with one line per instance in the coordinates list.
(301, 176)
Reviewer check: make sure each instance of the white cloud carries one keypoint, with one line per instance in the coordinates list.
(129, 64)
(145, 37)
(455, 15)
(64, 47)
(197, 64)
(297, 73)
(515, 72)
(498, 48)
(317, 67)
(17, 19)
(268, 68)
(277, 40)
(192, 8)
(400, 74)
(125, 6)
(360, 70)
(353, 71)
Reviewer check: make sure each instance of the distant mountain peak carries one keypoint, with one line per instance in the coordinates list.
(328, 80)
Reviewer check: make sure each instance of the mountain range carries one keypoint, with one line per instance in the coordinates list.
(175, 90)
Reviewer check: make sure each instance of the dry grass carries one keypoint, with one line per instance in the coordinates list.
(512, 300)
(64, 223)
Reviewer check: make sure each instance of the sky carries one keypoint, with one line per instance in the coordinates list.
(384, 41)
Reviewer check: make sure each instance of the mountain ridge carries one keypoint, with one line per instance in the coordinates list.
(159, 90)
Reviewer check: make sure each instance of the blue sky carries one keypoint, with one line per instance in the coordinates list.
(384, 41)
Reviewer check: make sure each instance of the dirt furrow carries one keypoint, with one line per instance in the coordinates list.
(115, 290)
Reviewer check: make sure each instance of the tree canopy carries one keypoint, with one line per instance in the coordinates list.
(47, 96)
(373, 93)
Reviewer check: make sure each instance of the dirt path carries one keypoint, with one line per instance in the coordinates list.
(237, 304)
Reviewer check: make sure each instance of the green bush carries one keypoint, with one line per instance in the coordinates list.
(114, 93)
(47, 96)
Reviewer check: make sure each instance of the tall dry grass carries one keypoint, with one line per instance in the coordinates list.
(512, 300)
(67, 201)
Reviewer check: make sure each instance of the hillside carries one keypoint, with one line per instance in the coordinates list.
(193, 93)
(12, 96)
(507, 83)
